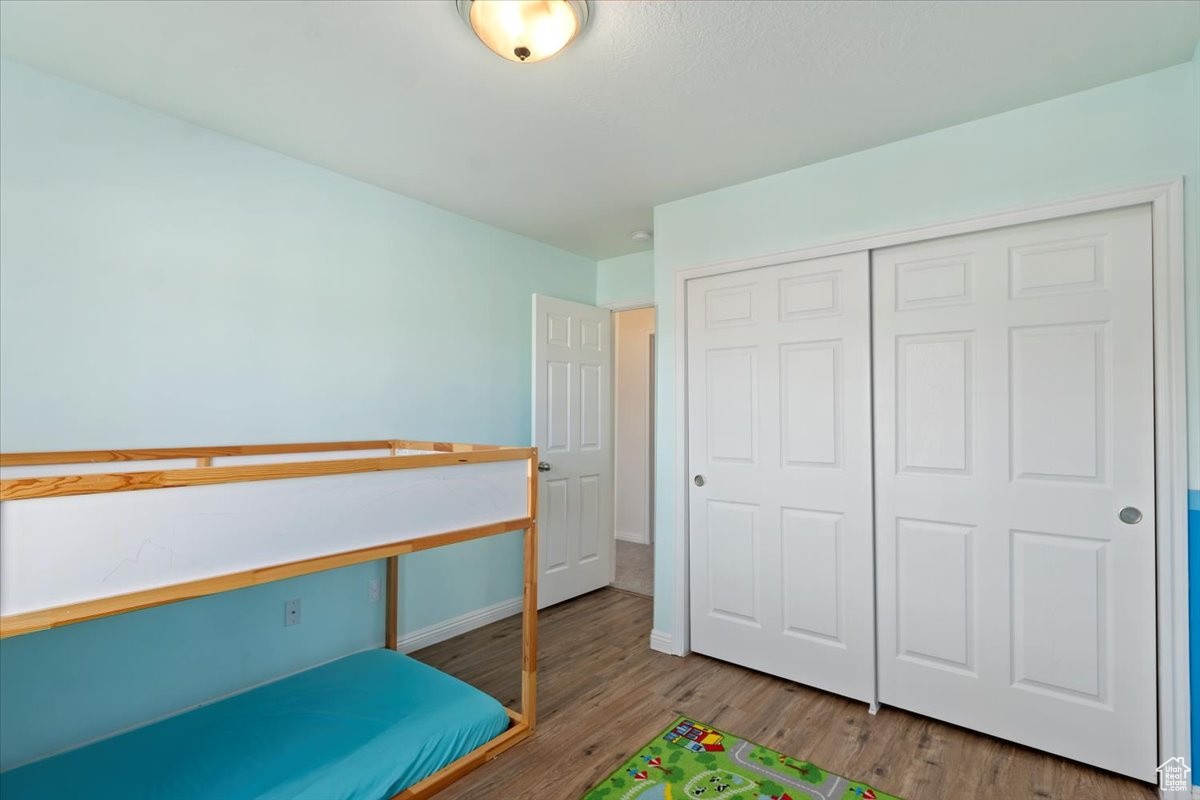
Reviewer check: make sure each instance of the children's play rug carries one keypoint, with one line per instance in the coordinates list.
(689, 760)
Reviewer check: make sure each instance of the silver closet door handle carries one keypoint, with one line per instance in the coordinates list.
(698, 480)
(543, 466)
(1130, 515)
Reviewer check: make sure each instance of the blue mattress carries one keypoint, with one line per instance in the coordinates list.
(360, 728)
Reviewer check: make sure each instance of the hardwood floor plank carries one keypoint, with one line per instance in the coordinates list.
(602, 693)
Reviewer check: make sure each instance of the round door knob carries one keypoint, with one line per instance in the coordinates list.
(1130, 515)
(698, 480)
(543, 466)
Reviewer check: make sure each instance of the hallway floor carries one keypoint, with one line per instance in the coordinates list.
(635, 568)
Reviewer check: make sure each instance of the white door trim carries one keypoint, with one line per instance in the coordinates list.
(629, 305)
(1166, 201)
(646, 340)
(651, 399)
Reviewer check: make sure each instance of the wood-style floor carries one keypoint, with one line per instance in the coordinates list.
(603, 693)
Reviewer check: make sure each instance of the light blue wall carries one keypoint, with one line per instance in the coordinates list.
(625, 278)
(1125, 134)
(161, 284)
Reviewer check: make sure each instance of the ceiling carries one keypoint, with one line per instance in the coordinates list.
(654, 102)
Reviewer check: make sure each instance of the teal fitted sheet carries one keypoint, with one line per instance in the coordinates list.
(359, 728)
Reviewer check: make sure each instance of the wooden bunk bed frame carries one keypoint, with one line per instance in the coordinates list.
(522, 722)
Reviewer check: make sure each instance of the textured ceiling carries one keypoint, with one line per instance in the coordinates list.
(655, 101)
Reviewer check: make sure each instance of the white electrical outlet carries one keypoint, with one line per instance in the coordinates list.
(373, 590)
(291, 612)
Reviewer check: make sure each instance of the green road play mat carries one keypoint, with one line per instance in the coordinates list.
(690, 760)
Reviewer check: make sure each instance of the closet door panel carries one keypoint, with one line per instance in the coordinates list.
(779, 432)
(1013, 422)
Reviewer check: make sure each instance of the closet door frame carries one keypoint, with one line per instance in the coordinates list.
(1171, 465)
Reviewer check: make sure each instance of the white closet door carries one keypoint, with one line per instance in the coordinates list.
(1014, 422)
(572, 397)
(779, 432)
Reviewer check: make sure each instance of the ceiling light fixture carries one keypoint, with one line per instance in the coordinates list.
(525, 30)
(642, 236)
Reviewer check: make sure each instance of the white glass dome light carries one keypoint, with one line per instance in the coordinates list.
(525, 30)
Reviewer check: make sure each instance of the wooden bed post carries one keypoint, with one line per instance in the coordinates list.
(392, 617)
(529, 617)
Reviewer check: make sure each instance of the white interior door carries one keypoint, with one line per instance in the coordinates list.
(572, 397)
(779, 420)
(1014, 422)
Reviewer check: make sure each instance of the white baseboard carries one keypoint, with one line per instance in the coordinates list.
(626, 536)
(448, 629)
(662, 643)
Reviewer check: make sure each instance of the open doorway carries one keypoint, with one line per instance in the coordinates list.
(633, 449)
